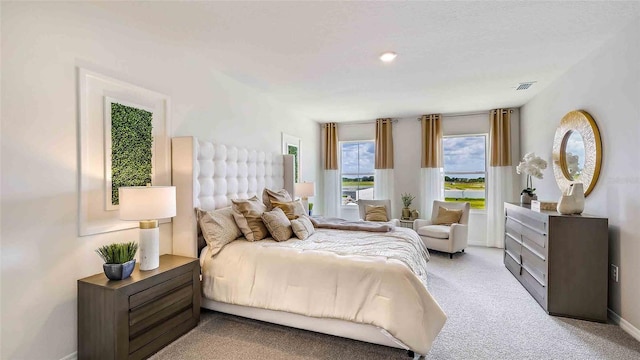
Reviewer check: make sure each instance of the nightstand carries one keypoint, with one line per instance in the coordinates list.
(406, 223)
(135, 317)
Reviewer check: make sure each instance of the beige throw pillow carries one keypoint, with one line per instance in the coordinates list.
(269, 195)
(248, 215)
(447, 216)
(218, 228)
(278, 225)
(292, 209)
(376, 213)
(302, 227)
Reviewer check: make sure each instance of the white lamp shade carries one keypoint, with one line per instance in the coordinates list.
(147, 202)
(306, 189)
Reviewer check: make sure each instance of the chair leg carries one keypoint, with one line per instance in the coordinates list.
(450, 256)
(462, 250)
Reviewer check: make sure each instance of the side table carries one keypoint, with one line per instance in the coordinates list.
(406, 223)
(135, 317)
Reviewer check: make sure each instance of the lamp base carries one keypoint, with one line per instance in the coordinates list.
(149, 248)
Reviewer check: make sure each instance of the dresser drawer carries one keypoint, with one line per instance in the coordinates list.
(523, 232)
(536, 266)
(539, 225)
(512, 245)
(536, 289)
(512, 264)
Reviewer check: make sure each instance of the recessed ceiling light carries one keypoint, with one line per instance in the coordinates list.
(389, 56)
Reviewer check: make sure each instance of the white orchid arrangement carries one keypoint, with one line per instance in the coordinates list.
(531, 165)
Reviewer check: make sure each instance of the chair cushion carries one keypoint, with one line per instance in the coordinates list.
(435, 231)
(447, 216)
(376, 213)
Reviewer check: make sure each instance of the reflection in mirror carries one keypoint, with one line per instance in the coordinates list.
(574, 155)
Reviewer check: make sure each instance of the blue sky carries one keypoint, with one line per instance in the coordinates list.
(350, 152)
(464, 154)
(461, 154)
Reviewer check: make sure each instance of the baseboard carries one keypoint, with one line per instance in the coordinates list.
(624, 325)
(73, 356)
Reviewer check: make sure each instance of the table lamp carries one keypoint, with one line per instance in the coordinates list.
(147, 204)
(305, 190)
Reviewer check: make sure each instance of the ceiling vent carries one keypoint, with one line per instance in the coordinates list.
(525, 85)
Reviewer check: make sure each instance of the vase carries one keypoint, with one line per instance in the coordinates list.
(119, 271)
(576, 190)
(406, 213)
(526, 198)
(573, 201)
(565, 205)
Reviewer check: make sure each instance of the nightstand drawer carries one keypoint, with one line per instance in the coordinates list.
(159, 290)
(160, 309)
(145, 338)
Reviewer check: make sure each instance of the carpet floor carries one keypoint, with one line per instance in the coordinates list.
(490, 316)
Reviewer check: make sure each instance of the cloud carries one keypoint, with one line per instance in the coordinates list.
(358, 157)
(464, 154)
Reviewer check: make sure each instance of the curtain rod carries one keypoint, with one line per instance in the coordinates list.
(470, 114)
(360, 122)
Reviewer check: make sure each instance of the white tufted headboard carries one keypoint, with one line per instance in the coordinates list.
(208, 176)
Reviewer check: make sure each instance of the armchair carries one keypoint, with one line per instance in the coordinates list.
(450, 239)
(362, 208)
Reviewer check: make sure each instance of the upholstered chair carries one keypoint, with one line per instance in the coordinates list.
(362, 208)
(446, 238)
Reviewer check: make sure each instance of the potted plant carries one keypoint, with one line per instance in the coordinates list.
(310, 209)
(406, 201)
(118, 259)
(531, 165)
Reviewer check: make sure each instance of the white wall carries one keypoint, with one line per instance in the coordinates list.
(407, 147)
(42, 256)
(607, 85)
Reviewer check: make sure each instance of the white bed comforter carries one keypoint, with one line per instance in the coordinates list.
(364, 277)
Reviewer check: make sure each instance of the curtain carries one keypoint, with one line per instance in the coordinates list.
(431, 172)
(383, 181)
(500, 175)
(331, 174)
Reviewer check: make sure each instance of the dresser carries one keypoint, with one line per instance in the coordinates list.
(135, 317)
(562, 260)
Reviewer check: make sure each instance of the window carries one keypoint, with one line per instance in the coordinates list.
(465, 169)
(356, 166)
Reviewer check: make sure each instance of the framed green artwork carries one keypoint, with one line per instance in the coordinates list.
(128, 147)
(291, 146)
(123, 140)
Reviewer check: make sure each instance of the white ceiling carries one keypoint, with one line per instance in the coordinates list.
(322, 57)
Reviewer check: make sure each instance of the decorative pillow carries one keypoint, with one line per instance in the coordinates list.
(278, 225)
(447, 216)
(218, 228)
(302, 227)
(376, 213)
(292, 209)
(269, 195)
(248, 215)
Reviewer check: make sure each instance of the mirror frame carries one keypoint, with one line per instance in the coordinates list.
(581, 122)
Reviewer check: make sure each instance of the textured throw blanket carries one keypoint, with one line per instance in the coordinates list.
(342, 224)
(358, 276)
(402, 244)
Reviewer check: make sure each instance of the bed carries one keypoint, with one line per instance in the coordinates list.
(321, 284)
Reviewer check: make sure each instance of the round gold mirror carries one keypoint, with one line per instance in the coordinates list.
(577, 151)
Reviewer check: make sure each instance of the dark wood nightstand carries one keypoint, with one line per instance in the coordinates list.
(135, 317)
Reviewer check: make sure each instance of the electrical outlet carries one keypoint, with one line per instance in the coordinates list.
(614, 272)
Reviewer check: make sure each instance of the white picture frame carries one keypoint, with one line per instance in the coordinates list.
(287, 141)
(95, 91)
